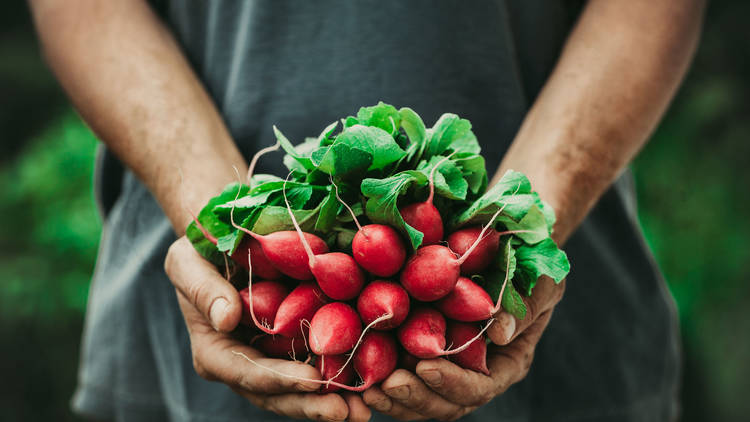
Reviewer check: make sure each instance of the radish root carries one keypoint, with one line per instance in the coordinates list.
(308, 249)
(468, 343)
(354, 217)
(384, 317)
(362, 387)
(254, 161)
(499, 303)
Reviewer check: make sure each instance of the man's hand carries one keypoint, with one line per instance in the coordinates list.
(444, 391)
(211, 308)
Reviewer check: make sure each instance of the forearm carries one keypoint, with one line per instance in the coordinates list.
(617, 73)
(129, 80)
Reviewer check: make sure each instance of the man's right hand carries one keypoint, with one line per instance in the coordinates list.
(211, 308)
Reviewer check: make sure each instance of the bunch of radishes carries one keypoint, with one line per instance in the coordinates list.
(357, 299)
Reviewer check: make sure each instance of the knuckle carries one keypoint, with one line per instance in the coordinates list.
(261, 401)
(239, 379)
(557, 293)
(200, 369)
(423, 407)
(196, 292)
(169, 260)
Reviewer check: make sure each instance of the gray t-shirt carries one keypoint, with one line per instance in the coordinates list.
(611, 349)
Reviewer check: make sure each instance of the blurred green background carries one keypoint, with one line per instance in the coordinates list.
(692, 178)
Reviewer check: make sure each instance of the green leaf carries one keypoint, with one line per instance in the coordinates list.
(213, 224)
(262, 179)
(349, 121)
(474, 171)
(544, 258)
(547, 211)
(512, 182)
(382, 115)
(512, 193)
(229, 243)
(451, 132)
(379, 143)
(325, 135)
(276, 218)
(513, 302)
(341, 160)
(534, 225)
(415, 130)
(243, 203)
(328, 211)
(303, 160)
(382, 203)
(298, 196)
(449, 181)
(505, 260)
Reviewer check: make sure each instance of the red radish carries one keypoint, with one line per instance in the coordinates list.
(423, 216)
(466, 302)
(374, 361)
(379, 249)
(376, 358)
(461, 240)
(432, 272)
(334, 329)
(281, 347)
(261, 265)
(300, 305)
(473, 357)
(385, 306)
(284, 250)
(376, 247)
(337, 273)
(267, 297)
(423, 334)
(333, 368)
(383, 298)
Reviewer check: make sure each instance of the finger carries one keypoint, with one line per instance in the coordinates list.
(407, 389)
(216, 357)
(358, 410)
(456, 384)
(546, 295)
(507, 365)
(378, 400)
(215, 298)
(317, 407)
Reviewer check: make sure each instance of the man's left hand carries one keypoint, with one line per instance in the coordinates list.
(444, 391)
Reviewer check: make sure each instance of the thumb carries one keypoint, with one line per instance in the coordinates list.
(197, 279)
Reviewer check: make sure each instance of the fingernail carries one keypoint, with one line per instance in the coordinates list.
(218, 311)
(432, 377)
(508, 322)
(399, 393)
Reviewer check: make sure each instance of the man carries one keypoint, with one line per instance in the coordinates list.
(565, 93)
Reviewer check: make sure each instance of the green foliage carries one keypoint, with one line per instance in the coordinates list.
(367, 158)
(51, 227)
